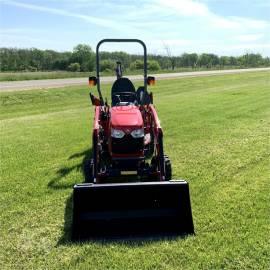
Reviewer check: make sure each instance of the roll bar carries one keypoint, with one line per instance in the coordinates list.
(121, 40)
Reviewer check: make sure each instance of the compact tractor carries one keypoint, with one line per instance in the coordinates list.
(127, 141)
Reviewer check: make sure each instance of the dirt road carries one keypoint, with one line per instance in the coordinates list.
(55, 83)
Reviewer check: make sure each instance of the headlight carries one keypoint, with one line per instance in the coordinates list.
(117, 133)
(137, 133)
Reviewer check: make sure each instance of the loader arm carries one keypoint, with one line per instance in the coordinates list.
(101, 119)
(158, 139)
(95, 140)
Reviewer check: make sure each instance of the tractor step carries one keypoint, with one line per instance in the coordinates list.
(131, 209)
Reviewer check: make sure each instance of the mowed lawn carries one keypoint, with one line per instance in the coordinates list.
(217, 136)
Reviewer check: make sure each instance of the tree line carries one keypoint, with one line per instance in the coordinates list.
(82, 58)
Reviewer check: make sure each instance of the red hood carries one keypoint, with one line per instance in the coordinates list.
(126, 116)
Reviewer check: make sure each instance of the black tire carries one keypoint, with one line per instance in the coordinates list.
(168, 168)
(153, 169)
(89, 171)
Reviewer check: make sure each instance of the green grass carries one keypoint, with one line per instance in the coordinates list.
(217, 136)
(41, 75)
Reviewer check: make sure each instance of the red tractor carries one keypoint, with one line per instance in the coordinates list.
(128, 139)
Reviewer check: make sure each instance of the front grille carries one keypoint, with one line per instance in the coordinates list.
(127, 145)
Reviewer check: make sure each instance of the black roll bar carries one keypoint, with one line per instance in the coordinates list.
(121, 40)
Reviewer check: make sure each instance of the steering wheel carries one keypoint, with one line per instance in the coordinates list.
(125, 94)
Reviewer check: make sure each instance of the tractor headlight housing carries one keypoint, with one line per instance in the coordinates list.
(117, 133)
(137, 133)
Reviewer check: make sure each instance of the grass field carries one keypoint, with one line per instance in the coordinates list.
(41, 75)
(217, 136)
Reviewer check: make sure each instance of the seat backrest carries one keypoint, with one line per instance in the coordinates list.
(121, 85)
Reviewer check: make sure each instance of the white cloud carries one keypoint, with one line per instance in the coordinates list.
(263, 3)
(250, 46)
(177, 42)
(237, 23)
(184, 25)
(200, 10)
(87, 18)
(240, 49)
(176, 46)
(248, 38)
(27, 41)
(185, 7)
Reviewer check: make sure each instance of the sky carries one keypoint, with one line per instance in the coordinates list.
(223, 27)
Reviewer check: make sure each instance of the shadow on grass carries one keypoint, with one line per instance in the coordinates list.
(58, 183)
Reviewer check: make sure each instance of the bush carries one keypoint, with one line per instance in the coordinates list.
(106, 65)
(30, 68)
(107, 70)
(74, 67)
(153, 65)
(137, 64)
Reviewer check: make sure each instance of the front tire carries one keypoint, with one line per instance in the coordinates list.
(89, 171)
(154, 167)
(168, 168)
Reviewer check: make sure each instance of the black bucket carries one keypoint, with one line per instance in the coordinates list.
(127, 209)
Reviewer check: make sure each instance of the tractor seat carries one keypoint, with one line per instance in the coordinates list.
(123, 92)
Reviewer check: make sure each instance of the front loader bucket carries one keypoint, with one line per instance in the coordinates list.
(131, 208)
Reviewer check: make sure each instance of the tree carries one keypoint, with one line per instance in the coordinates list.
(189, 60)
(153, 65)
(208, 60)
(233, 61)
(224, 61)
(13, 59)
(193, 59)
(74, 67)
(204, 60)
(251, 60)
(83, 55)
(137, 64)
(106, 65)
(170, 56)
(122, 57)
(266, 61)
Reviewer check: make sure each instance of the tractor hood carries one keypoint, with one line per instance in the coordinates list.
(126, 116)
